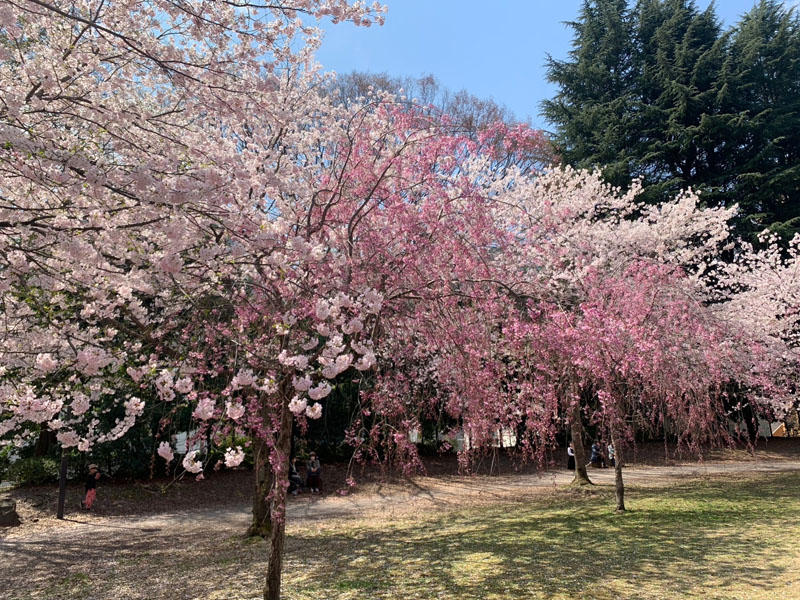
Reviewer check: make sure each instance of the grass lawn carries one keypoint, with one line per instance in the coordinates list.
(720, 538)
(715, 539)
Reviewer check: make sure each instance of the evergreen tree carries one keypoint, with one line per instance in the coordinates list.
(593, 108)
(662, 93)
(764, 60)
(679, 57)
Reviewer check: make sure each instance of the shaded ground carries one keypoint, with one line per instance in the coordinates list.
(131, 549)
(127, 499)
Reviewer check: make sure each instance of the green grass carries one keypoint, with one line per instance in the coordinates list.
(723, 539)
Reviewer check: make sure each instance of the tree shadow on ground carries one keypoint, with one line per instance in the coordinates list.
(133, 563)
(709, 539)
(693, 536)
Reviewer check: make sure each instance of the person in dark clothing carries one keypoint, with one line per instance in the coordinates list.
(314, 474)
(570, 458)
(295, 481)
(90, 486)
(597, 459)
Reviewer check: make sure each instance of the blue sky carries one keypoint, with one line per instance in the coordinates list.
(494, 53)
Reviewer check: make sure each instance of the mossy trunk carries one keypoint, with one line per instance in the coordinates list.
(261, 524)
(272, 590)
(576, 427)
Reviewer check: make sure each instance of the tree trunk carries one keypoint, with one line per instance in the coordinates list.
(272, 590)
(261, 524)
(618, 483)
(62, 484)
(44, 442)
(581, 476)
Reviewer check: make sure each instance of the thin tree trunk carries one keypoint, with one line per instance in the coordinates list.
(44, 443)
(272, 590)
(62, 484)
(576, 427)
(618, 483)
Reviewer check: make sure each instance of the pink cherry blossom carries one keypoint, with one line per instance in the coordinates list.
(191, 464)
(80, 403)
(297, 405)
(46, 363)
(244, 378)
(366, 362)
(184, 385)
(320, 391)
(205, 409)
(234, 410)
(67, 439)
(301, 384)
(314, 411)
(234, 457)
(165, 452)
(91, 360)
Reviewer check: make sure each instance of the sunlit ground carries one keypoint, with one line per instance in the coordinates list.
(723, 539)
(727, 538)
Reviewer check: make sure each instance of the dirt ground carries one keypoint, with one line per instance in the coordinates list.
(126, 499)
(50, 559)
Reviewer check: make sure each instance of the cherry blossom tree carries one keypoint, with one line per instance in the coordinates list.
(646, 338)
(123, 130)
(182, 214)
(653, 357)
(594, 308)
(758, 292)
(381, 223)
(481, 120)
(144, 144)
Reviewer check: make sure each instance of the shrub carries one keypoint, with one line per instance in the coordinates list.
(35, 470)
(5, 461)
